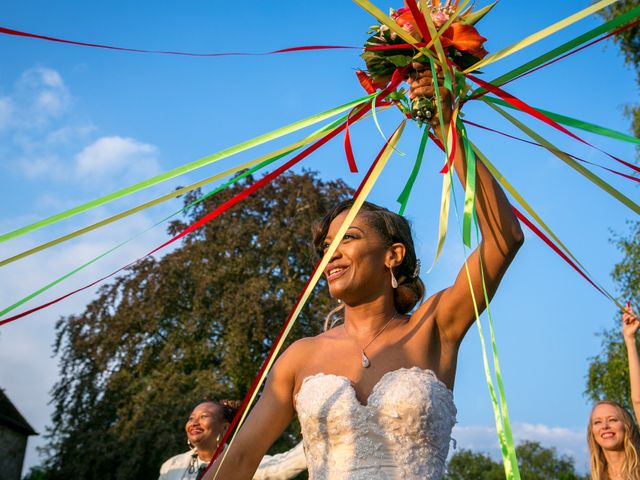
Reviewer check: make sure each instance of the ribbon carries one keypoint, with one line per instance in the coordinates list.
(252, 165)
(500, 410)
(579, 124)
(360, 196)
(470, 187)
(196, 225)
(524, 140)
(544, 33)
(522, 106)
(17, 33)
(568, 257)
(403, 199)
(552, 56)
(570, 161)
(293, 127)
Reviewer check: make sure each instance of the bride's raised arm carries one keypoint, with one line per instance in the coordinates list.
(501, 238)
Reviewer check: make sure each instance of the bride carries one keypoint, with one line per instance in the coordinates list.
(374, 394)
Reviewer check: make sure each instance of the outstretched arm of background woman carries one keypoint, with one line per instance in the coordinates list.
(630, 326)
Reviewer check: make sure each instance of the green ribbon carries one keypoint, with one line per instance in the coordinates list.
(267, 137)
(605, 27)
(261, 162)
(572, 122)
(500, 410)
(470, 187)
(327, 129)
(570, 161)
(403, 199)
(529, 209)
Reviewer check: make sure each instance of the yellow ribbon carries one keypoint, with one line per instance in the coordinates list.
(569, 161)
(544, 33)
(529, 209)
(351, 215)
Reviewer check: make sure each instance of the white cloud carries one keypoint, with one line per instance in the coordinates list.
(115, 154)
(42, 95)
(6, 108)
(70, 133)
(42, 166)
(566, 441)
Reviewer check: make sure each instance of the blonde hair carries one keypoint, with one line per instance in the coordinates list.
(598, 461)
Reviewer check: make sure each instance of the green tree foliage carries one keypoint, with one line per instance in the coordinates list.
(194, 324)
(535, 461)
(629, 42)
(467, 465)
(608, 375)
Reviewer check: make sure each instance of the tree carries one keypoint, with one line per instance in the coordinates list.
(608, 375)
(467, 465)
(629, 42)
(196, 323)
(535, 462)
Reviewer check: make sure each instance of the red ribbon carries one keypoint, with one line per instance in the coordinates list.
(544, 238)
(520, 105)
(556, 249)
(17, 33)
(255, 383)
(524, 140)
(398, 76)
(418, 16)
(207, 218)
(551, 62)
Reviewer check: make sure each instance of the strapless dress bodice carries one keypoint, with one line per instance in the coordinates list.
(403, 432)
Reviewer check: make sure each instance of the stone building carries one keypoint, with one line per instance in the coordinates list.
(14, 431)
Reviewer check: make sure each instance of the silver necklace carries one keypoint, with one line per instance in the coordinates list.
(366, 363)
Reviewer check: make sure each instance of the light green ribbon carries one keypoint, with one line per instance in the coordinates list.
(570, 161)
(325, 131)
(572, 122)
(261, 162)
(259, 140)
(570, 45)
(470, 187)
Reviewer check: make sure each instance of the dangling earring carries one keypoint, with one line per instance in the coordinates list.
(394, 282)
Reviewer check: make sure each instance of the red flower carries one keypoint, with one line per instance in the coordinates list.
(369, 84)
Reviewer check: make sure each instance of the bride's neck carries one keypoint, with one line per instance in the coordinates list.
(370, 316)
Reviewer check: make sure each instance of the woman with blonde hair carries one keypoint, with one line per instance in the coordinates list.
(612, 434)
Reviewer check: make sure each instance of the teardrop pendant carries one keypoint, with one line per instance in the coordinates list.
(365, 360)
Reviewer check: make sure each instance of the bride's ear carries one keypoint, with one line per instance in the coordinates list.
(395, 255)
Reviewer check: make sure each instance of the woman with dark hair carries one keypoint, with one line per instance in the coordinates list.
(612, 434)
(205, 428)
(374, 393)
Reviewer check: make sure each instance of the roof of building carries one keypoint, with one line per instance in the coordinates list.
(10, 416)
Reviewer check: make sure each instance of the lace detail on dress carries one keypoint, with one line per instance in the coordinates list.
(402, 433)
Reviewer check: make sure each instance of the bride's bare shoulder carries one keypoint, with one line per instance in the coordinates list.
(303, 351)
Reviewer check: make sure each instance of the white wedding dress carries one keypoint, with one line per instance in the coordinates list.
(403, 432)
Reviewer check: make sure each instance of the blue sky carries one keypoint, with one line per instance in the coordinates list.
(77, 122)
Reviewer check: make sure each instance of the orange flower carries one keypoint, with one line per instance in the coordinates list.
(465, 38)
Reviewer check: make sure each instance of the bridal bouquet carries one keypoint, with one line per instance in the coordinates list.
(385, 51)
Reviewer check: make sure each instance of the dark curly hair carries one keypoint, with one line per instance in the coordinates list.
(393, 228)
